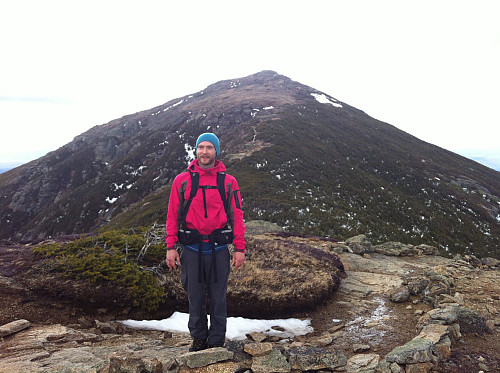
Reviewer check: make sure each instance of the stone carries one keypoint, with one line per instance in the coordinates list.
(322, 340)
(14, 327)
(417, 350)
(428, 249)
(362, 363)
(315, 358)
(443, 348)
(448, 314)
(105, 327)
(472, 322)
(419, 368)
(435, 288)
(205, 357)
(274, 362)
(124, 362)
(258, 348)
(360, 347)
(254, 227)
(257, 336)
(434, 332)
(224, 367)
(359, 244)
(417, 285)
(490, 262)
(400, 295)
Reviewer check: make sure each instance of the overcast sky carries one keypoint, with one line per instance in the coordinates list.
(430, 68)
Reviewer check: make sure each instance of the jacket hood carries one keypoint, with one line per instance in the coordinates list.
(218, 167)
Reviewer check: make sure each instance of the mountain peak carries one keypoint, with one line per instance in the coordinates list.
(304, 160)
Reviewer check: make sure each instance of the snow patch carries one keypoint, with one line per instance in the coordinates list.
(324, 99)
(189, 152)
(260, 165)
(174, 105)
(138, 171)
(237, 327)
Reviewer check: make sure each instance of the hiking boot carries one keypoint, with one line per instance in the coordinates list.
(198, 345)
(213, 345)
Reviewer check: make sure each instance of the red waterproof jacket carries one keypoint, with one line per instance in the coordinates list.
(206, 214)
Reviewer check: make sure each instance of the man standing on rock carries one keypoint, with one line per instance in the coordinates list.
(205, 215)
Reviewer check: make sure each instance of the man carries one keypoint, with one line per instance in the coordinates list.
(198, 222)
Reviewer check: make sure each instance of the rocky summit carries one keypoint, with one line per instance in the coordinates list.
(304, 160)
(396, 308)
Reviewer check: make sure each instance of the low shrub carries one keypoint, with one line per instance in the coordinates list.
(114, 256)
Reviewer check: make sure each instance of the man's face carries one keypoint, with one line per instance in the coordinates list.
(205, 153)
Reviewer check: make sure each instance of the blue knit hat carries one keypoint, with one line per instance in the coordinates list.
(210, 137)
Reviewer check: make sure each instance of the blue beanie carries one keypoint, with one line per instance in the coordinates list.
(210, 137)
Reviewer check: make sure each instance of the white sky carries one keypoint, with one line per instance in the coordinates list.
(431, 68)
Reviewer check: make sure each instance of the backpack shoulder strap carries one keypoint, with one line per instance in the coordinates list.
(195, 183)
(221, 177)
(225, 196)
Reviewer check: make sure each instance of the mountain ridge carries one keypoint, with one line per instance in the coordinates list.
(303, 160)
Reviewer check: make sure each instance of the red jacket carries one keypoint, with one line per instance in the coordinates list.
(215, 217)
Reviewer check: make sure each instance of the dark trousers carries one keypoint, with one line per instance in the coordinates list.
(199, 288)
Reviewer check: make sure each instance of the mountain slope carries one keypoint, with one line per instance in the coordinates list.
(303, 160)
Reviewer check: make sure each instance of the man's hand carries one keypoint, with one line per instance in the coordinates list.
(238, 259)
(172, 258)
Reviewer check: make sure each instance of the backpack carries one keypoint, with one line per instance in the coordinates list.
(188, 236)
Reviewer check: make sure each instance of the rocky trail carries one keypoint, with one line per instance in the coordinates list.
(400, 309)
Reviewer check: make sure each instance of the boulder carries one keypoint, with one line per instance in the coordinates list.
(418, 350)
(255, 227)
(359, 244)
(400, 294)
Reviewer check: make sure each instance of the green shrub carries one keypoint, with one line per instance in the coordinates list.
(112, 256)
